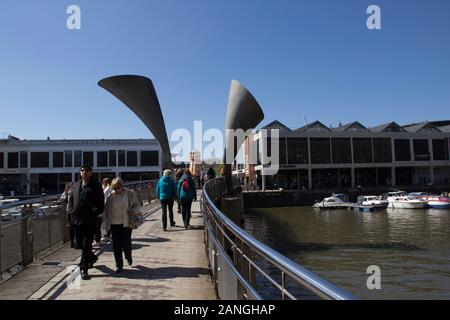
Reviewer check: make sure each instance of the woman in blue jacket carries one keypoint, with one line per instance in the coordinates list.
(187, 194)
(166, 191)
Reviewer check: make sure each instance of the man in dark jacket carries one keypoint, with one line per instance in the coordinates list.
(86, 205)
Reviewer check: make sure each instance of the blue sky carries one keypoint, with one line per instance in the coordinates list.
(313, 59)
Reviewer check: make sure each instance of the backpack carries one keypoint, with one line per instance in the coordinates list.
(185, 185)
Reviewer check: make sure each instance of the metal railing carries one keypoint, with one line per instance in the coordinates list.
(42, 226)
(242, 266)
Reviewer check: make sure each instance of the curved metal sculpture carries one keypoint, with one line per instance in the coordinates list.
(243, 112)
(138, 94)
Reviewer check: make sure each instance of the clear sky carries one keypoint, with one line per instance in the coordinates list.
(313, 59)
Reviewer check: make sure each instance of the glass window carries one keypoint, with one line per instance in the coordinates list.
(112, 158)
(2, 160)
(88, 158)
(13, 160)
(40, 159)
(122, 158)
(58, 159)
(382, 151)
(402, 150)
(68, 159)
(102, 158)
(131, 158)
(77, 158)
(362, 150)
(440, 149)
(421, 151)
(320, 150)
(23, 159)
(149, 158)
(342, 150)
(297, 150)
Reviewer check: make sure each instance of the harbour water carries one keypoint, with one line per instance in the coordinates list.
(411, 247)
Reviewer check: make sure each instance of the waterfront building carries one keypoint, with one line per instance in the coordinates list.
(350, 156)
(45, 166)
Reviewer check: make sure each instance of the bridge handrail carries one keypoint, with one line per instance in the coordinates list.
(319, 286)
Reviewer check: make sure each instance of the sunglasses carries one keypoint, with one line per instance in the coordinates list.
(85, 170)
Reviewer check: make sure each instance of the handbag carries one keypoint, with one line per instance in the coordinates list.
(135, 217)
(135, 220)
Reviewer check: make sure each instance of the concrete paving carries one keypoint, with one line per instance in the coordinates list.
(168, 264)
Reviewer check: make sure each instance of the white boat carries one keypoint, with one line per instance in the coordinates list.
(393, 195)
(374, 200)
(333, 202)
(407, 202)
(370, 203)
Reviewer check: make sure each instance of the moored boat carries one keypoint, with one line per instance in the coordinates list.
(439, 202)
(336, 201)
(407, 202)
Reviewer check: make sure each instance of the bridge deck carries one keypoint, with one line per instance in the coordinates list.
(166, 265)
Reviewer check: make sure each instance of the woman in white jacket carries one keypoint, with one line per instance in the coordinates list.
(120, 204)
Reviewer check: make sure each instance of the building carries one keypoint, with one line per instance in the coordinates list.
(319, 157)
(36, 166)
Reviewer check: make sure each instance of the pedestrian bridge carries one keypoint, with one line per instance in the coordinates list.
(215, 259)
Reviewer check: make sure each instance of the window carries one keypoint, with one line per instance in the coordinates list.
(297, 150)
(2, 160)
(77, 158)
(421, 151)
(88, 158)
(362, 150)
(112, 158)
(23, 159)
(58, 159)
(149, 158)
(121, 158)
(320, 150)
(402, 150)
(131, 158)
(102, 158)
(40, 159)
(440, 149)
(342, 150)
(68, 159)
(382, 151)
(13, 160)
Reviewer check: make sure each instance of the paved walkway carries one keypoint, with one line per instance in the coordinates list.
(166, 265)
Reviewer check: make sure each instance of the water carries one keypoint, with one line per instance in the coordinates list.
(411, 247)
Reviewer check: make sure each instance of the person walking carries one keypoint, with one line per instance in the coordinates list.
(85, 206)
(210, 174)
(166, 191)
(186, 193)
(178, 175)
(64, 200)
(120, 205)
(106, 185)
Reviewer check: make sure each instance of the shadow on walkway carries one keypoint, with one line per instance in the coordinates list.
(141, 272)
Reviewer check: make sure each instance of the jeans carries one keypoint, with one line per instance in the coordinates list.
(164, 204)
(186, 210)
(121, 241)
(85, 235)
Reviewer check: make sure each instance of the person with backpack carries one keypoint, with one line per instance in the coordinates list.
(166, 191)
(186, 193)
(178, 175)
